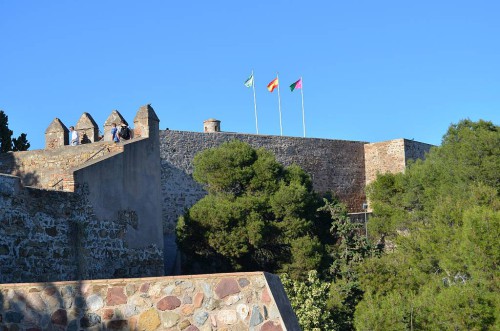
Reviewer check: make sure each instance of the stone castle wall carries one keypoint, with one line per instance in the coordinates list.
(391, 156)
(102, 221)
(239, 301)
(54, 235)
(49, 168)
(334, 165)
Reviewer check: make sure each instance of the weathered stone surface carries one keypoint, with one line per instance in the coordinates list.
(144, 288)
(94, 302)
(191, 328)
(107, 314)
(232, 299)
(142, 311)
(168, 303)
(256, 318)
(271, 326)
(266, 298)
(115, 296)
(13, 317)
(118, 325)
(227, 317)
(187, 310)
(148, 320)
(226, 286)
(243, 282)
(59, 317)
(198, 299)
(200, 317)
(184, 324)
(90, 319)
(169, 319)
(242, 311)
(34, 301)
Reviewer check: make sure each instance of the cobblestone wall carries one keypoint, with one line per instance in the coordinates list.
(334, 165)
(54, 235)
(239, 301)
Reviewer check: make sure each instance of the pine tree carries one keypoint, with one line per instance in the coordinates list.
(8, 144)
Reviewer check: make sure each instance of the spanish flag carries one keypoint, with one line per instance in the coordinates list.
(272, 85)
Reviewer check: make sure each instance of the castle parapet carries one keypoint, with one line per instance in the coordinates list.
(114, 118)
(146, 122)
(56, 135)
(87, 128)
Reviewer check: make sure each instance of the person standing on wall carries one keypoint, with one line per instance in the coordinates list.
(75, 139)
(114, 133)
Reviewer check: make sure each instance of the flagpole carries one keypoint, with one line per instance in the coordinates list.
(303, 115)
(255, 104)
(279, 103)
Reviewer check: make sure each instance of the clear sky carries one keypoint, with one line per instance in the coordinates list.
(372, 70)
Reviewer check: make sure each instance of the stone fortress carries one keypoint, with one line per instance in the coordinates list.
(103, 210)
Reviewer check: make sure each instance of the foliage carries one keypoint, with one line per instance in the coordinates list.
(309, 301)
(349, 249)
(258, 215)
(6, 142)
(442, 219)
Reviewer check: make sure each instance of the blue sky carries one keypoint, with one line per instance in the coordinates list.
(372, 70)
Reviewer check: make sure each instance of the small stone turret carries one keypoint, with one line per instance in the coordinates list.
(114, 117)
(146, 122)
(56, 135)
(87, 128)
(211, 125)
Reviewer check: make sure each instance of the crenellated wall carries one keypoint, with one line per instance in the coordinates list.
(237, 301)
(101, 218)
(334, 165)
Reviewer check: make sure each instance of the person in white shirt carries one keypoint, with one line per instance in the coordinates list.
(74, 136)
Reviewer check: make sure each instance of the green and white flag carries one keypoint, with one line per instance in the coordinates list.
(249, 81)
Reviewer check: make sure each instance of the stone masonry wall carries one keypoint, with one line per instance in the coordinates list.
(415, 150)
(334, 165)
(48, 235)
(48, 168)
(239, 301)
(391, 156)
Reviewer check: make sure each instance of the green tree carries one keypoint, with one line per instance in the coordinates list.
(349, 249)
(309, 300)
(257, 215)
(442, 220)
(6, 142)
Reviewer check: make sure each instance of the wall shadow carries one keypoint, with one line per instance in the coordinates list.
(9, 166)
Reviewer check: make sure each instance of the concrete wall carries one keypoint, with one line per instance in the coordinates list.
(391, 156)
(334, 165)
(48, 168)
(48, 235)
(239, 301)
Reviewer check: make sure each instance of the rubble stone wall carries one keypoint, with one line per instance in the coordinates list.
(334, 165)
(47, 168)
(48, 235)
(238, 301)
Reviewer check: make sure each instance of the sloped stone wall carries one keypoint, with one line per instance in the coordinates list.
(334, 165)
(52, 235)
(48, 168)
(239, 301)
